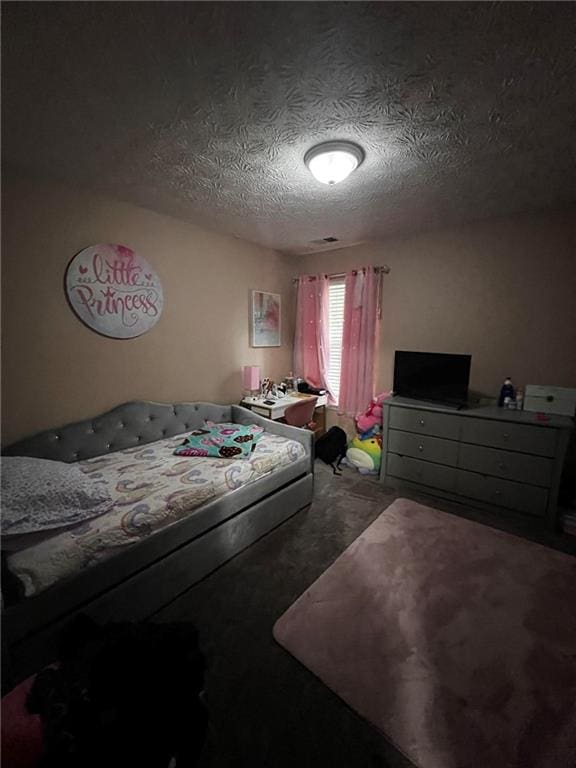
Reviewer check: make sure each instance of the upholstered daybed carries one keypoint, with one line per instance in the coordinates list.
(175, 518)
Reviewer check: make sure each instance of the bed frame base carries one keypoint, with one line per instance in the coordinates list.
(150, 590)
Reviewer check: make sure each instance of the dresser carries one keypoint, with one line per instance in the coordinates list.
(501, 460)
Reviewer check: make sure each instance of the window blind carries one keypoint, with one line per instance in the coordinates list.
(336, 327)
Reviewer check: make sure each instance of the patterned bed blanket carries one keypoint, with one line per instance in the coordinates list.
(151, 489)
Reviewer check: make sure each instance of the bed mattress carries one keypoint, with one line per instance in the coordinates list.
(151, 489)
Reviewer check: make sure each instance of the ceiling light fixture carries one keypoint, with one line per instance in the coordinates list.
(333, 161)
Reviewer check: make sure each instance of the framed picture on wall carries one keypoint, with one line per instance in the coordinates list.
(265, 319)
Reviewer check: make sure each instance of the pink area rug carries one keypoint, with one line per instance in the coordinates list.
(456, 640)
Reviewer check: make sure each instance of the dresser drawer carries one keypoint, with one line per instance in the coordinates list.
(423, 447)
(536, 470)
(514, 437)
(504, 493)
(426, 473)
(425, 422)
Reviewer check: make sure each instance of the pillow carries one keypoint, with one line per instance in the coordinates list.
(223, 441)
(42, 495)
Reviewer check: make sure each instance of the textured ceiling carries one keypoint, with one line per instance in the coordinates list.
(205, 110)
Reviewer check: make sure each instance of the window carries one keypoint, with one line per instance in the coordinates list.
(336, 320)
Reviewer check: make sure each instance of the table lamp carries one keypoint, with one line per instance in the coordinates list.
(251, 378)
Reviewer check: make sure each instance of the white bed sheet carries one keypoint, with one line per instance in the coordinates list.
(151, 489)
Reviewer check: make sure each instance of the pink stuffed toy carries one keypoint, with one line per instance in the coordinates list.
(372, 417)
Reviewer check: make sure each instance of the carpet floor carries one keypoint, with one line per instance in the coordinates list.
(267, 710)
(456, 640)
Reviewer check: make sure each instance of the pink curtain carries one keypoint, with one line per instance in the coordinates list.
(311, 342)
(357, 378)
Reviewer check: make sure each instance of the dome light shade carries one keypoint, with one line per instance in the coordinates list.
(333, 161)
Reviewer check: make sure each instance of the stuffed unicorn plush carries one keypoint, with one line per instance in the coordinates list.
(372, 417)
(365, 451)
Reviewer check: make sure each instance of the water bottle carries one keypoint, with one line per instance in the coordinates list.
(507, 391)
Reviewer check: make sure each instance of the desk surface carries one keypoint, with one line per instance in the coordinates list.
(276, 411)
(285, 400)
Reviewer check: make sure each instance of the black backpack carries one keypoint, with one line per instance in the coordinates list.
(331, 447)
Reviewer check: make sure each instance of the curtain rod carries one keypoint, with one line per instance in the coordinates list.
(384, 268)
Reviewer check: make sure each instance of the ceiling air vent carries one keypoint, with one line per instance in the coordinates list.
(323, 240)
(324, 244)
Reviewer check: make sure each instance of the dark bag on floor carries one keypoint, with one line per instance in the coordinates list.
(331, 447)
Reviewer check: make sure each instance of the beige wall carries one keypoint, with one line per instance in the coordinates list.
(55, 370)
(502, 290)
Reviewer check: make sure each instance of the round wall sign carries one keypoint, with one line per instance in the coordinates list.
(114, 291)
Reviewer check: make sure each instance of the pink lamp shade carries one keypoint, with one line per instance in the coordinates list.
(251, 377)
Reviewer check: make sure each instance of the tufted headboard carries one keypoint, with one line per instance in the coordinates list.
(125, 426)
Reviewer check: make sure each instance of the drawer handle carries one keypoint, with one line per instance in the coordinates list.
(501, 465)
(420, 447)
(505, 435)
(422, 422)
(497, 493)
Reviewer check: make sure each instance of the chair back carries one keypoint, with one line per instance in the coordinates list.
(300, 414)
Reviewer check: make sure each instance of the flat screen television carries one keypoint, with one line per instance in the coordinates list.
(433, 376)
